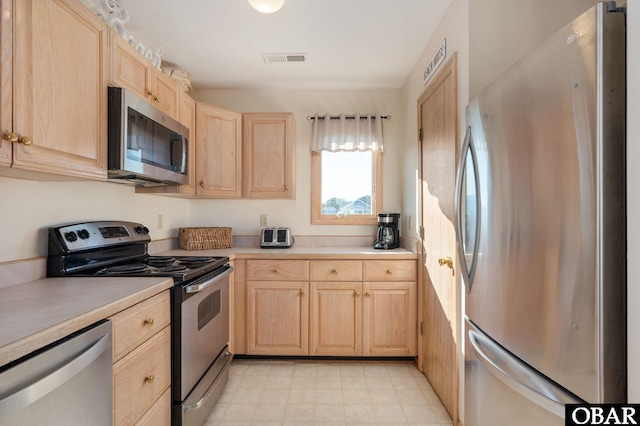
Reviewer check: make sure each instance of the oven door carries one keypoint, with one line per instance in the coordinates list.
(201, 328)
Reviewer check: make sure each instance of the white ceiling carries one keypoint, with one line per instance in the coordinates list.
(349, 43)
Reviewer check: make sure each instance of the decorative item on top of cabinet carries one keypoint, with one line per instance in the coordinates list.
(142, 362)
(218, 167)
(269, 154)
(128, 68)
(63, 131)
(187, 117)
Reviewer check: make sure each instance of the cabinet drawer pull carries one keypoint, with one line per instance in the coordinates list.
(389, 271)
(202, 185)
(334, 271)
(276, 271)
(149, 379)
(148, 322)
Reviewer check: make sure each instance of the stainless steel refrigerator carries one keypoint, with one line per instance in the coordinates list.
(541, 229)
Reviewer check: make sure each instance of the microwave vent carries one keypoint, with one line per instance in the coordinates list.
(284, 57)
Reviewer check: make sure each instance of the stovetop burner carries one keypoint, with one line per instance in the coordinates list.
(123, 269)
(160, 261)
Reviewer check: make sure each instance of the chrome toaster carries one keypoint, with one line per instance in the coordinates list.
(276, 238)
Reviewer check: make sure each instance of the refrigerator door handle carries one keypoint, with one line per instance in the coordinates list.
(528, 382)
(467, 270)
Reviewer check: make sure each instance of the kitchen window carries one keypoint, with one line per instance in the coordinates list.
(346, 171)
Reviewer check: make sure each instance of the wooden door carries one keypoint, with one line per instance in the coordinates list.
(389, 319)
(60, 88)
(268, 143)
(6, 62)
(336, 319)
(218, 152)
(437, 116)
(277, 318)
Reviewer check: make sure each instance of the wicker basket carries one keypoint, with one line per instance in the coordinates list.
(204, 238)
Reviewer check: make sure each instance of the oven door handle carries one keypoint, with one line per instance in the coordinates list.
(196, 288)
(212, 386)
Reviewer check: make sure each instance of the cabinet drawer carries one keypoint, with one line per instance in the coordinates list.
(390, 270)
(336, 270)
(160, 412)
(277, 270)
(138, 323)
(141, 377)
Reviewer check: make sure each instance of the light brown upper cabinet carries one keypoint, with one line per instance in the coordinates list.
(218, 167)
(53, 122)
(268, 151)
(132, 70)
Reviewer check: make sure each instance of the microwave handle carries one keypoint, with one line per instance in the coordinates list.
(183, 150)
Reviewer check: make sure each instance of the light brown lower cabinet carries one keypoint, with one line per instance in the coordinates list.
(390, 319)
(336, 313)
(363, 319)
(336, 319)
(142, 363)
(277, 315)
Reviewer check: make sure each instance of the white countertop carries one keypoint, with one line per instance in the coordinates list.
(35, 314)
(300, 252)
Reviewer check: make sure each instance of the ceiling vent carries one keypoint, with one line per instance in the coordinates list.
(271, 58)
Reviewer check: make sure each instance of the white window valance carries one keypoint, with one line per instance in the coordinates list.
(347, 132)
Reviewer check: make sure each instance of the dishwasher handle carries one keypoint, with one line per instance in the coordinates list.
(34, 391)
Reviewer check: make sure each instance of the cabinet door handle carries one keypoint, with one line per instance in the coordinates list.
(11, 137)
(367, 294)
(14, 138)
(202, 185)
(148, 322)
(301, 293)
(356, 294)
(149, 379)
(153, 95)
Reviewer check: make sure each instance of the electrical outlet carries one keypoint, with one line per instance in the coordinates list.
(264, 220)
(160, 222)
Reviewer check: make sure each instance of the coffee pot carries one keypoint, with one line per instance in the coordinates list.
(388, 231)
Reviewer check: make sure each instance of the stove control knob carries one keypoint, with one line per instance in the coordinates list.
(142, 230)
(71, 236)
(83, 234)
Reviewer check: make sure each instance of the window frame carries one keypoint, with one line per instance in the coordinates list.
(317, 218)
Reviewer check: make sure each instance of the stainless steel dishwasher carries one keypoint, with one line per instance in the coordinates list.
(66, 383)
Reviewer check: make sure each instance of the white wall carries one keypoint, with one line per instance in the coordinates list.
(30, 207)
(244, 214)
(454, 28)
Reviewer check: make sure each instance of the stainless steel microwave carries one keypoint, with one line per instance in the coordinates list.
(146, 146)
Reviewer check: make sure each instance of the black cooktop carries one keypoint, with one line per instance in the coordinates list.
(118, 248)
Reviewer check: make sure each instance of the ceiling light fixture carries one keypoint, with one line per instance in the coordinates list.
(266, 6)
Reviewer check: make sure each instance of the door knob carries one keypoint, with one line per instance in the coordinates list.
(448, 261)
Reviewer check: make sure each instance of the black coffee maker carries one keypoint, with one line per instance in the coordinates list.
(388, 231)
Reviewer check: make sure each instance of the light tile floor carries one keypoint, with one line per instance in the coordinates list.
(309, 392)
